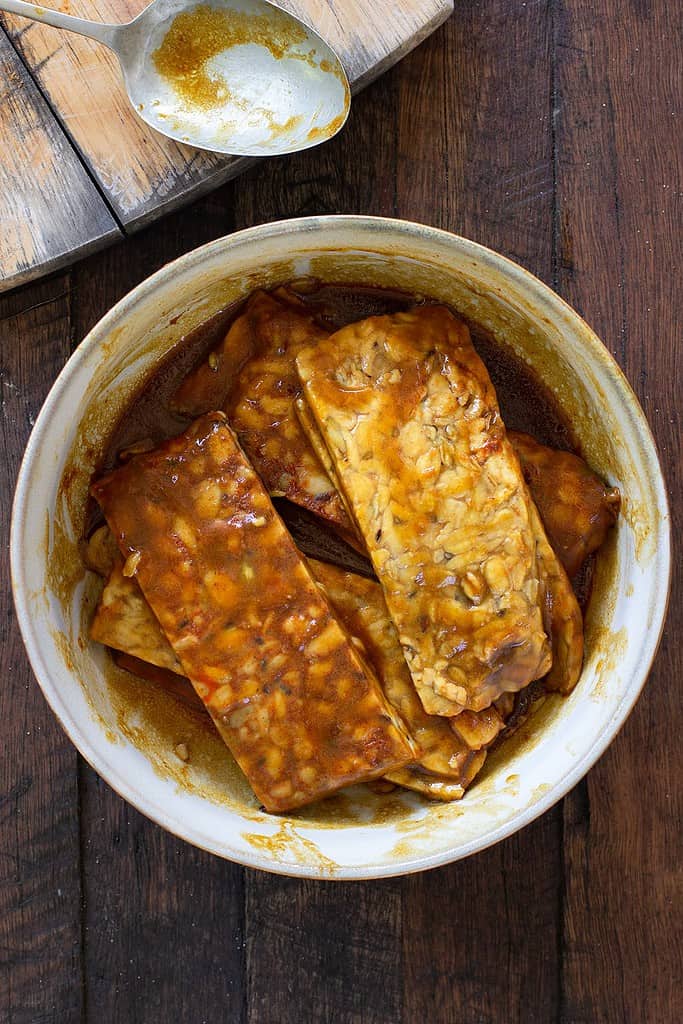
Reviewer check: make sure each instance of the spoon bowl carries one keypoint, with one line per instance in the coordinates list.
(242, 77)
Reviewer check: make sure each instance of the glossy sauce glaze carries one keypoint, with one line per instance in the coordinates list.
(525, 403)
(413, 433)
(246, 620)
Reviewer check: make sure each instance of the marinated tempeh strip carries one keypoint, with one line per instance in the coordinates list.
(300, 710)
(576, 507)
(477, 729)
(411, 422)
(561, 612)
(440, 787)
(446, 765)
(252, 376)
(317, 443)
(124, 620)
(444, 756)
(100, 551)
(562, 617)
(208, 385)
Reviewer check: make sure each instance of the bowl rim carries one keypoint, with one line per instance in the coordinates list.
(310, 226)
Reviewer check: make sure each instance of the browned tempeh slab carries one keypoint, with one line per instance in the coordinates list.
(100, 552)
(411, 422)
(448, 760)
(447, 764)
(124, 620)
(252, 376)
(301, 712)
(577, 508)
(49, 207)
(561, 612)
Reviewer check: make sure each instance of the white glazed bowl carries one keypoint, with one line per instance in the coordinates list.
(357, 835)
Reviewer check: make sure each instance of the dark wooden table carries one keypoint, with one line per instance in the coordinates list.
(551, 132)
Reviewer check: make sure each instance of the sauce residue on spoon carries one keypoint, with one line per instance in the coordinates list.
(197, 36)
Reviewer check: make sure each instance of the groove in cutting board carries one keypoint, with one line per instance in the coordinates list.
(142, 174)
(48, 203)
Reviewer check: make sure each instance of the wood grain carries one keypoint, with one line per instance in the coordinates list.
(49, 207)
(494, 955)
(475, 153)
(480, 938)
(575, 920)
(142, 173)
(619, 222)
(40, 929)
(155, 911)
(303, 967)
(139, 171)
(370, 37)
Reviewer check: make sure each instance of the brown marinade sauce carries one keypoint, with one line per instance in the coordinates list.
(526, 404)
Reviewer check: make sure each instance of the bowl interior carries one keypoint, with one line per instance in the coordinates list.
(128, 730)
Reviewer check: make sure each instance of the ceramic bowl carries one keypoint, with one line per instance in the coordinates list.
(130, 736)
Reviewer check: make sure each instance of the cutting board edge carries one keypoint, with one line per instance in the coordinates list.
(221, 174)
(60, 261)
(213, 177)
(392, 59)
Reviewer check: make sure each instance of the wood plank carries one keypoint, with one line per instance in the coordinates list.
(369, 37)
(480, 938)
(163, 922)
(323, 952)
(50, 210)
(143, 174)
(40, 934)
(619, 169)
(138, 170)
(475, 155)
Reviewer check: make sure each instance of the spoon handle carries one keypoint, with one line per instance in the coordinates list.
(94, 29)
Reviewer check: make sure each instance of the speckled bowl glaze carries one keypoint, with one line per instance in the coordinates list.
(358, 834)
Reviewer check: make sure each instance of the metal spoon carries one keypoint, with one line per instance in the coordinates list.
(233, 76)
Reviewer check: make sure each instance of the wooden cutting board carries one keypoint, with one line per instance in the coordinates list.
(78, 169)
